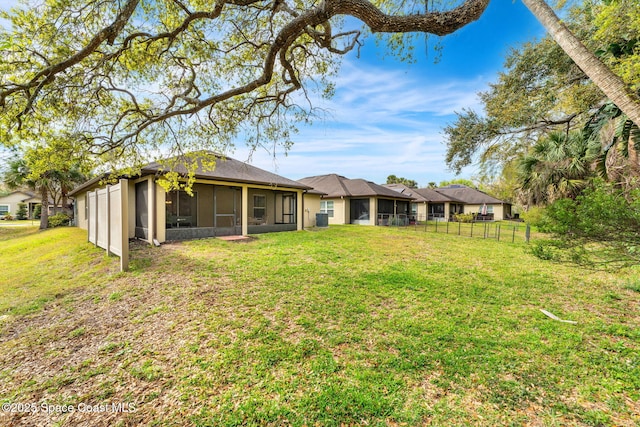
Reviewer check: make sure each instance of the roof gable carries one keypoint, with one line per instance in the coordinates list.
(339, 186)
(434, 196)
(27, 194)
(468, 195)
(226, 169)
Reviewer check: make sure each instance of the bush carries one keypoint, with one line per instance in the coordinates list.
(37, 211)
(22, 211)
(533, 215)
(7, 217)
(602, 225)
(462, 217)
(58, 220)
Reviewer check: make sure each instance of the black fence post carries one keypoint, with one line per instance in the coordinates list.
(527, 233)
(472, 222)
(513, 237)
(436, 225)
(447, 227)
(459, 225)
(498, 232)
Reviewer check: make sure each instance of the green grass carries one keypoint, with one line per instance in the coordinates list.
(40, 266)
(346, 326)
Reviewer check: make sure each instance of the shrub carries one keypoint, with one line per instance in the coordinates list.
(22, 211)
(462, 217)
(602, 225)
(8, 217)
(37, 211)
(58, 220)
(533, 215)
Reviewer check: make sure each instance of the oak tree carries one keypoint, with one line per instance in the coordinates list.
(131, 77)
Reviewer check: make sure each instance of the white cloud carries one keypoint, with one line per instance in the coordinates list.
(380, 122)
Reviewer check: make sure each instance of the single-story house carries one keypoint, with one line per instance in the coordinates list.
(234, 198)
(419, 204)
(443, 203)
(9, 203)
(357, 201)
(477, 202)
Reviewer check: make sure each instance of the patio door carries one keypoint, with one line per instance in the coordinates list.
(227, 209)
(142, 210)
(360, 211)
(285, 208)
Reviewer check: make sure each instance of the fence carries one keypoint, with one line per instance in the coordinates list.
(392, 220)
(500, 231)
(107, 220)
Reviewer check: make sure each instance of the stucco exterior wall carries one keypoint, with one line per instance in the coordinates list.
(423, 211)
(340, 211)
(311, 208)
(81, 211)
(12, 200)
(498, 210)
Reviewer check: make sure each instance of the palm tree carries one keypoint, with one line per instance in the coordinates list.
(65, 181)
(558, 166)
(612, 86)
(623, 139)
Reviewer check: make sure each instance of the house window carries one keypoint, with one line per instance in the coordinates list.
(259, 206)
(414, 209)
(182, 209)
(4, 210)
(326, 206)
(489, 209)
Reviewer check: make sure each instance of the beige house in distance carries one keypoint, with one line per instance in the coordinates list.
(234, 198)
(9, 203)
(358, 201)
(441, 204)
(477, 202)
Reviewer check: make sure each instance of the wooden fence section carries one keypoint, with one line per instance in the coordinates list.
(108, 220)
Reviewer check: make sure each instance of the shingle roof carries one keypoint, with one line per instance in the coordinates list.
(468, 195)
(226, 169)
(408, 191)
(334, 185)
(434, 196)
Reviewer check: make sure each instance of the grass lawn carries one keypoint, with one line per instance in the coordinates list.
(352, 325)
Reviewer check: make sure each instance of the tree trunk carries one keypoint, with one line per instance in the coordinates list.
(44, 212)
(612, 86)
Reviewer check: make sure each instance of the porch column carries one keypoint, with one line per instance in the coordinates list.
(299, 210)
(245, 210)
(160, 213)
(447, 209)
(151, 211)
(373, 211)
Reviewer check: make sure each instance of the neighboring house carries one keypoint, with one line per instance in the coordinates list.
(477, 202)
(444, 202)
(9, 203)
(419, 205)
(233, 199)
(357, 201)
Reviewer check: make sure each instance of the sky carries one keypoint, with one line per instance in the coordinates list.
(387, 117)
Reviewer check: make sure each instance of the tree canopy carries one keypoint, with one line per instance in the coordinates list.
(128, 77)
(543, 92)
(392, 179)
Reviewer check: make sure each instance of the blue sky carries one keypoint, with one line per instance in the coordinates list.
(387, 116)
